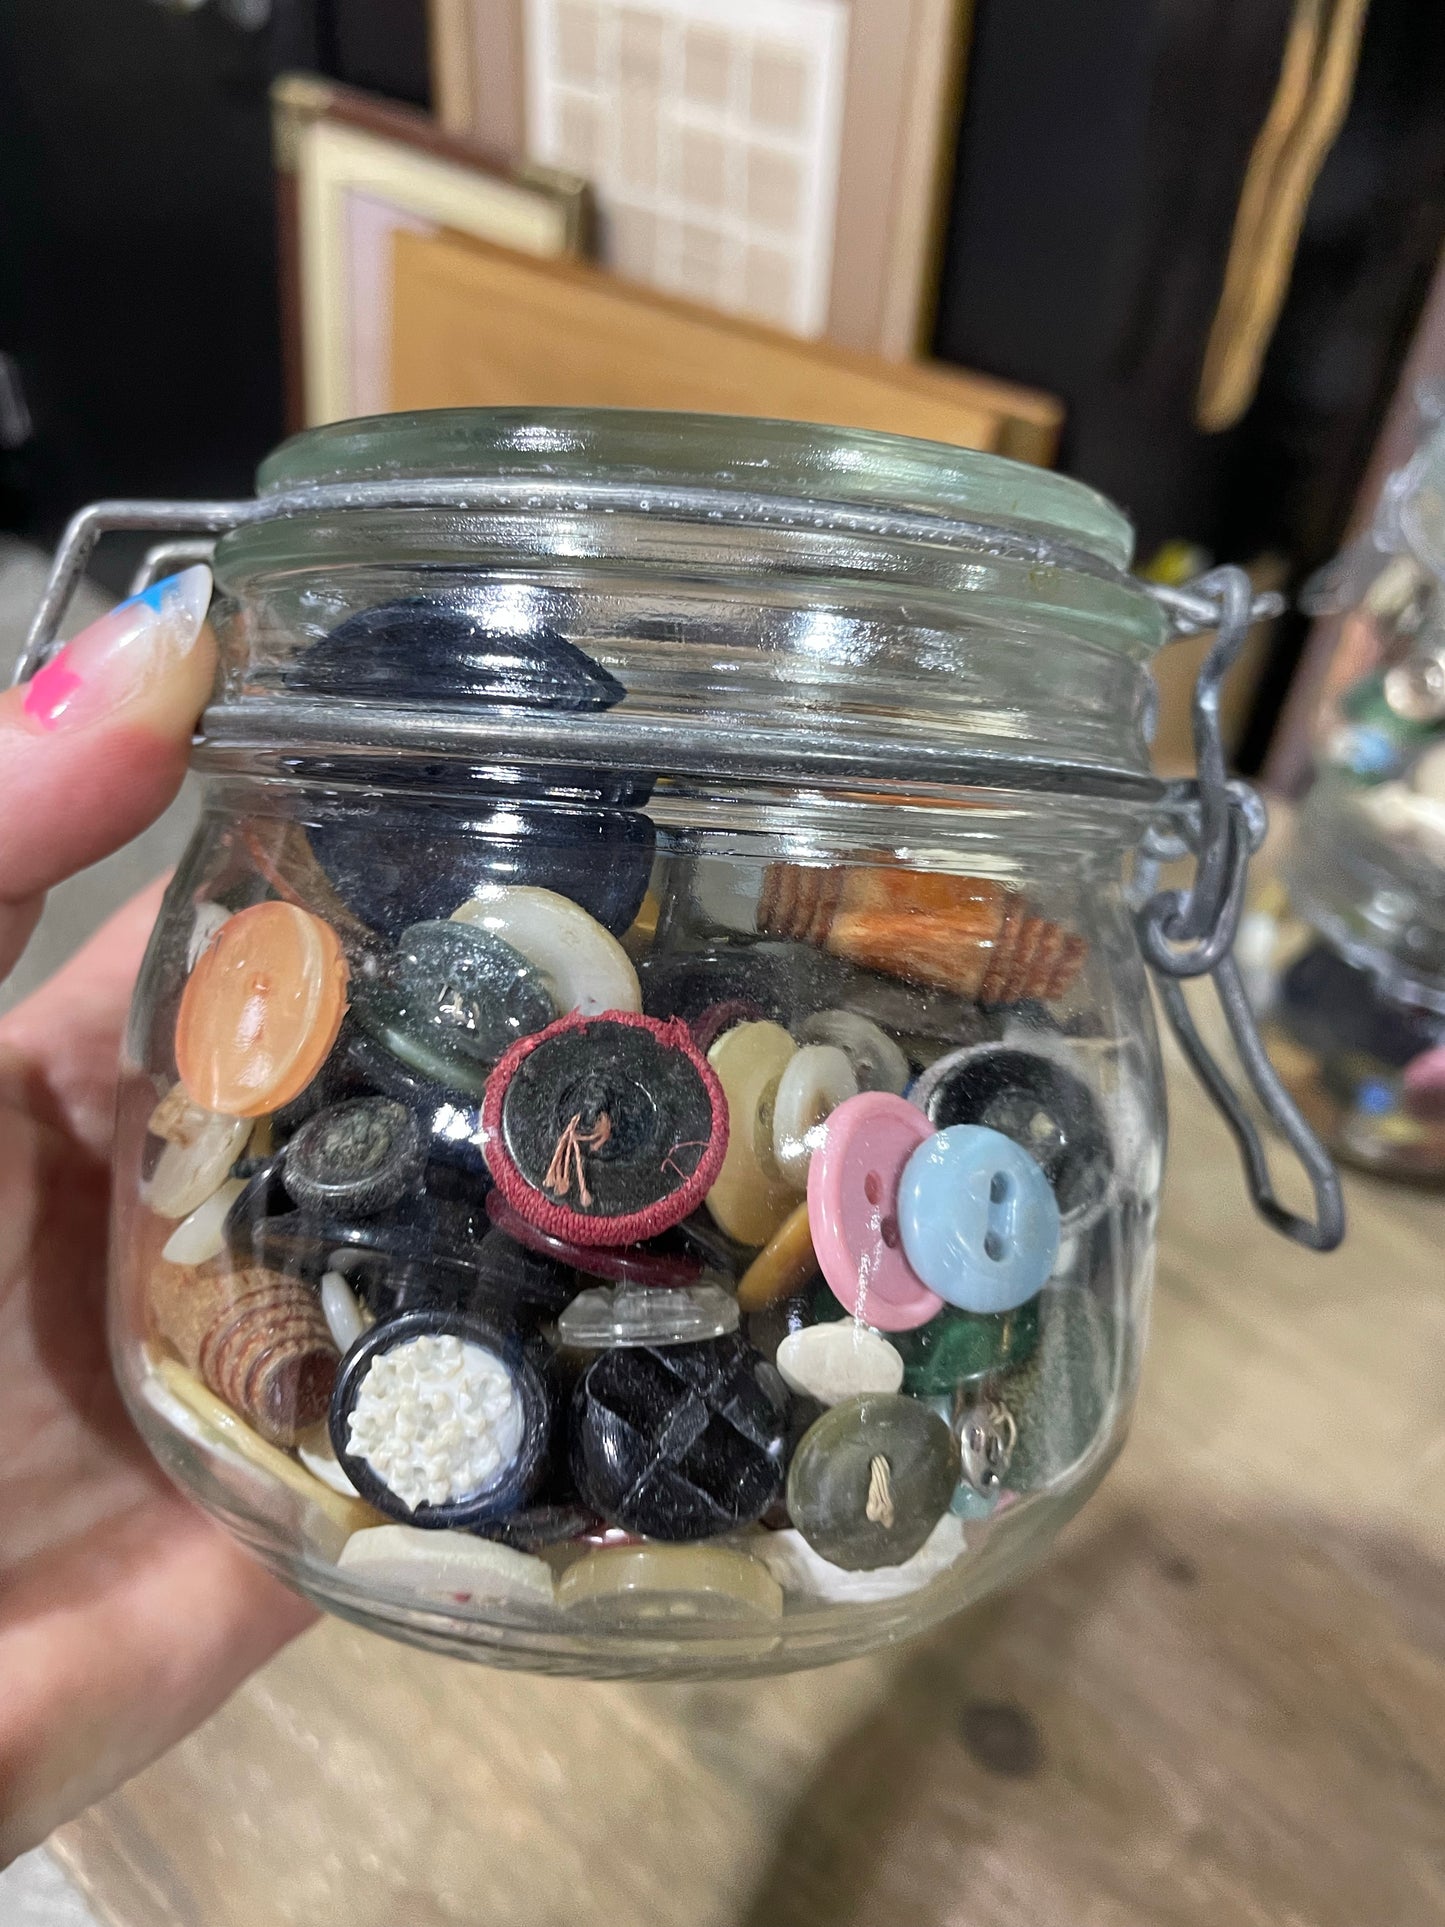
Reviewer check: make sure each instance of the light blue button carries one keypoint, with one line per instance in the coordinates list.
(978, 1219)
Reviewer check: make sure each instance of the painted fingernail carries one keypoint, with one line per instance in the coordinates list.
(122, 654)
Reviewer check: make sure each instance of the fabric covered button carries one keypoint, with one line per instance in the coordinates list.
(958, 1347)
(359, 1157)
(663, 1263)
(439, 1421)
(853, 1211)
(815, 1081)
(604, 1130)
(870, 1481)
(878, 1063)
(199, 1149)
(1040, 1105)
(978, 1220)
(261, 1010)
(620, 1587)
(452, 1000)
(680, 1441)
(834, 1362)
(633, 1315)
(584, 966)
(751, 1196)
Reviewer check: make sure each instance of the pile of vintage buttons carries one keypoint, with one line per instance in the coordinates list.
(699, 1242)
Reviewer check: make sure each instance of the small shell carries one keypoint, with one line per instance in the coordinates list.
(972, 935)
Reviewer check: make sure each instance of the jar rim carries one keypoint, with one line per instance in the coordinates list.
(740, 456)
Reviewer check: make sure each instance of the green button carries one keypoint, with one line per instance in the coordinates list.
(871, 1479)
(1060, 1398)
(959, 1347)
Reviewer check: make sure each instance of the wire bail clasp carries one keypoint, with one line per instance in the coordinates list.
(1221, 823)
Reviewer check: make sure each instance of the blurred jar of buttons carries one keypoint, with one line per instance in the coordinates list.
(1344, 955)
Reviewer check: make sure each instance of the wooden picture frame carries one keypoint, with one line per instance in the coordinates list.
(897, 117)
(351, 172)
(479, 326)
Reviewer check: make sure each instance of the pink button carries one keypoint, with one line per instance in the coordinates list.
(853, 1210)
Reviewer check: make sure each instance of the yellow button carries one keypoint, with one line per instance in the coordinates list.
(785, 1263)
(261, 1010)
(751, 1197)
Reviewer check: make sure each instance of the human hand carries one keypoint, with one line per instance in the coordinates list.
(125, 1615)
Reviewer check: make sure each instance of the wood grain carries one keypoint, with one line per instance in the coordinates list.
(474, 325)
(1220, 1701)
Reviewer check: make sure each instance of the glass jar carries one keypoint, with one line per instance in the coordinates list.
(641, 1127)
(1348, 967)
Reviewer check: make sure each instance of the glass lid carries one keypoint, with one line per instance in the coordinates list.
(850, 468)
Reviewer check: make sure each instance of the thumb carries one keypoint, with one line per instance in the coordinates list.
(94, 746)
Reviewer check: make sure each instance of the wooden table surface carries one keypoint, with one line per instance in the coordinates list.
(1221, 1700)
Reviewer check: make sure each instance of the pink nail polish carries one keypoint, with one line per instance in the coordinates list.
(110, 663)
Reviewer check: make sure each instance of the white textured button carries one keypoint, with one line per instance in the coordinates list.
(585, 965)
(839, 1360)
(878, 1063)
(201, 1236)
(816, 1080)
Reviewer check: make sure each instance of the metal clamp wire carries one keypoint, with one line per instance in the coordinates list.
(1325, 1230)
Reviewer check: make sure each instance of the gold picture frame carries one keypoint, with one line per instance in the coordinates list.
(353, 171)
(900, 99)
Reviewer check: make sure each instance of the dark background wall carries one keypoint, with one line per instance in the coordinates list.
(137, 246)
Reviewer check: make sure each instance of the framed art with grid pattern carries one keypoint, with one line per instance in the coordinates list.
(777, 159)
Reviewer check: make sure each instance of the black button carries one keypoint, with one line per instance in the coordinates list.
(434, 649)
(605, 1130)
(451, 1120)
(400, 864)
(1033, 1100)
(450, 1001)
(358, 1157)
(680, 1441)
(781, 981)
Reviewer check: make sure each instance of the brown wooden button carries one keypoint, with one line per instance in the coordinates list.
(261, 1010)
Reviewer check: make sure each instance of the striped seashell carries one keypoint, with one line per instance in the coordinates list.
(971, 935)
(258, 1339)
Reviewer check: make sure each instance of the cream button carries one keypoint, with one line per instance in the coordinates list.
(585, 966)
(815, 1081)
(751, 1197)
(837, 1361)
(201, 1236)
(200, 1149)
(624, 1586)
(878, 1063)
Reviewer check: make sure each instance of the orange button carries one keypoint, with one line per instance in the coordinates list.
(261, 1010)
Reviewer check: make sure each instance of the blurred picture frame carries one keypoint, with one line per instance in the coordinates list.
(353, 171)
(880, 89)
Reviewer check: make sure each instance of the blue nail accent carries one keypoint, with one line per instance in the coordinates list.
(978, 1219)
